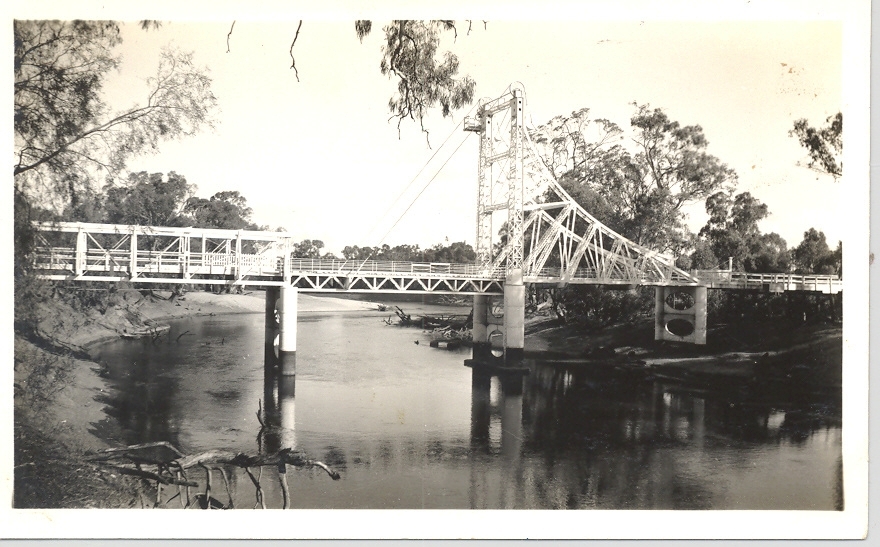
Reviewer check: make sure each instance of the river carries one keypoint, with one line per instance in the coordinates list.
(407, 427)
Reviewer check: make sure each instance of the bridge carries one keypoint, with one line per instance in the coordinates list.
(547, 239)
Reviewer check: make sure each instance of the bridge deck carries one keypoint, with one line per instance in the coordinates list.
(97, 252)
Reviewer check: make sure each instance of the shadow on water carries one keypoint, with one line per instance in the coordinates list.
(408, 426)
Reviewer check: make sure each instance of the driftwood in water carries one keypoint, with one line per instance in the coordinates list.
(439, 321)
(169, 466)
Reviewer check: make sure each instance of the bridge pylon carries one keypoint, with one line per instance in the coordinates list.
(280, 325)
(544, 235)
(500, 189)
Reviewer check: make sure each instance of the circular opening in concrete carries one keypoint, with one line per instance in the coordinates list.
(496, 341)
(680, 327)
(680, 301)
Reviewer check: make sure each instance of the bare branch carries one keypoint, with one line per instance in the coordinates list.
(228, 35)
(292, 60)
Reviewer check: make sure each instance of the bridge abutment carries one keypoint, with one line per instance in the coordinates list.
(680, 314)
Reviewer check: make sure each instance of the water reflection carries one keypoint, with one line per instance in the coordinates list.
(279, 413)
(408, 426)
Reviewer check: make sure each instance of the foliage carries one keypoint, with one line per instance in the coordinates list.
(595, 307)
(59, 69)
(824, 144)
(639, 193)
(772, 255)
(732, 232)
(458, 252)
(702, 257)
(750, 308)
(227, 210)
(65, 133)
(409, 54)
(308, 248)
(147, 200)
(813, 256)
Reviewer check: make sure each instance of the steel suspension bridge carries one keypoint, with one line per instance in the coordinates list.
(549, 240)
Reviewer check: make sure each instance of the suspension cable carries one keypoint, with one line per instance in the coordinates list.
(414, 179)
(411, 203)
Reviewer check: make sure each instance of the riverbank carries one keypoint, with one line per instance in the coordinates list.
(771, 360)
(58, 419)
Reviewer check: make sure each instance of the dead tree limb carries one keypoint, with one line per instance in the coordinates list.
(292, 60)
(228, 35)
(285, 489)
(171, 466)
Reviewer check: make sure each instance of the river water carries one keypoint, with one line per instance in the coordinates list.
(408, 427)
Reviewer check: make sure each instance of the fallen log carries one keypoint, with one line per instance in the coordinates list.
(171, 467)
(286, 456)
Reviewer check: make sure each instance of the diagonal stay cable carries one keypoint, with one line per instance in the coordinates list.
(411, 203)
(425, 166)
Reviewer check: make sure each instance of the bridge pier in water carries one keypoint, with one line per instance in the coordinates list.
(280, 337)
(680, 314)
(499, 335)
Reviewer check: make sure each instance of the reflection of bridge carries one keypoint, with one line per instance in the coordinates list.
(548, 240)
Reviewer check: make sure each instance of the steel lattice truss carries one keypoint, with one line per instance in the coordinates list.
(548, 236)
(156, 254)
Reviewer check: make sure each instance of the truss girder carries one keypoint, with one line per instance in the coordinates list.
(542, 217)
(371, 283)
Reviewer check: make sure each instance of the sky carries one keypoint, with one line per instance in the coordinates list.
(320, 158)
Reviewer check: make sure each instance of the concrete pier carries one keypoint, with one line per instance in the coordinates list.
(481, 348)
(680, 314)
(287, 311)
(514, 318)
(271, 329)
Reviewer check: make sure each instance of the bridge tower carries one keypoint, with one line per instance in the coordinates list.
(499, 330)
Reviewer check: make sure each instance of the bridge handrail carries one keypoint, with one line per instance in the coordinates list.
(355, 267)
(760, 278)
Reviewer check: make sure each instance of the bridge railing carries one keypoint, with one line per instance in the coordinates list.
(148, 261)
(825, 283)
(429, 269)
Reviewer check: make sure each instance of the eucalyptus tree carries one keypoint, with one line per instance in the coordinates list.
(823, 144)
(639, 185)
(65, 133)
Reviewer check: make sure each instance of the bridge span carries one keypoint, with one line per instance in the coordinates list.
(75, 251)
(530, 231)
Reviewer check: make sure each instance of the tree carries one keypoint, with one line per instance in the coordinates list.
(824, 145)
(353, 252)
(409, 54)
(457, 252)
(732, 232)
(64, 131)
(308, 248)
(638, 193)
(147, 200)
(771, 256)
(813, 256)
(702, 257)
(227, 210)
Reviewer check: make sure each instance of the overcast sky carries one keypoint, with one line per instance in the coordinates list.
(320, 158)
